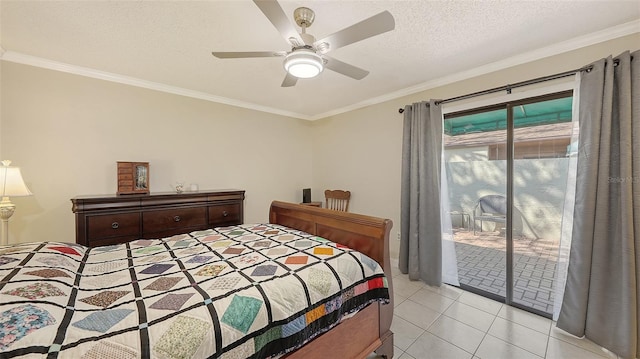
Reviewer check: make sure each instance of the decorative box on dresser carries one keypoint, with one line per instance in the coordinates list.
(113, 219)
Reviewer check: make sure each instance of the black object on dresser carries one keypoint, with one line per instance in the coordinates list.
(113, 219)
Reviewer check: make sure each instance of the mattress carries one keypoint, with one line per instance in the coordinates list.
(248, 291)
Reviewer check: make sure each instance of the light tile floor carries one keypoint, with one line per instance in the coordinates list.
(447, 322)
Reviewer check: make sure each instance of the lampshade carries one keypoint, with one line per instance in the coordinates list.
(11, 182)
(303, 63)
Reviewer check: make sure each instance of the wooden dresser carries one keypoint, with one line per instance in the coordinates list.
(113, 219)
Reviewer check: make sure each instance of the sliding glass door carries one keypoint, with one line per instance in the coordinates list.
(506, 169)
(477, 175)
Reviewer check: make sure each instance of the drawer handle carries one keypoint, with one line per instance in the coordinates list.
(176, 219)
(115, 225)
(225, 213)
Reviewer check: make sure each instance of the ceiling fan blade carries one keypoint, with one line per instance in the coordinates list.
(372, 26)
(248, 54)
(273, 11)
(289, 80)
(345, 69)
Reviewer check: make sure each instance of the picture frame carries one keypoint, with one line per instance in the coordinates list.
(133, 177)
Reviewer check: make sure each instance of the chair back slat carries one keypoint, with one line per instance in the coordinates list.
(337, 199)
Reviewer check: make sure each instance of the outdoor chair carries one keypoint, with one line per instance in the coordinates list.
(490, 208)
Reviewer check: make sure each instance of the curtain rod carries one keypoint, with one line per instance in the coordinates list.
(508, 88)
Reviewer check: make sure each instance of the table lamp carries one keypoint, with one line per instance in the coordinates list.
(11, 185)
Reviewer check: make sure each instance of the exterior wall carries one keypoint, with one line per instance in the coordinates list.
(539, 190)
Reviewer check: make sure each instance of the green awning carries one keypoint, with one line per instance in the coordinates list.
(534, 114)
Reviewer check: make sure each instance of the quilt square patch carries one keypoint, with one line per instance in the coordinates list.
(369, 262)
(221, 244)
(242, 312)
(36, 291)
(102, 281)
(297, 260)
(105, 298)
(224, 283)
(264, 270)
(265, 338)
(55, 261)
(348, 268)
(233, 251)
(108, 350)
(149, 249)
(323, 251)
(49, 273)
(107, 266)
(181, 244)
(142, 242)
(274, 252)
(65, 250)
(302, 244)
(103, 320)
(183, 338)
(5, 260)
(320, 280)
(215, 237)
(18, 322)
(211, 270)
(259, 244)
(199, 259)
(155, 258)
(157, 269)
(171, 301)
(235, 233)
(285, 238)
(164, 283)
(105, 248)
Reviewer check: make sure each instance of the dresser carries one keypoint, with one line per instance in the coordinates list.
(113, 219)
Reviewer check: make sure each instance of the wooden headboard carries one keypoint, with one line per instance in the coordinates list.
(369, 235)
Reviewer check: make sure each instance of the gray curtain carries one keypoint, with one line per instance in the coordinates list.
(602, 293)
(420, 229)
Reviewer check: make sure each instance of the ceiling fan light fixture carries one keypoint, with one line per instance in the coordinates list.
(303, 63)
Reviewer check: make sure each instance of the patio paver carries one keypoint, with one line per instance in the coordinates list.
(482, 264)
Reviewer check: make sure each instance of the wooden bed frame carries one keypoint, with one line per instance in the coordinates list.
(368, 330)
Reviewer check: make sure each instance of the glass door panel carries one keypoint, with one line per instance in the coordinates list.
(542, 136)
(475, 162)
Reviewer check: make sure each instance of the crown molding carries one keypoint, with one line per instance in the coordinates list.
(555, 49)
(611, 33)
(20, 58)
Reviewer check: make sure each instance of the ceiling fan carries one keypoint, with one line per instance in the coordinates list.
(307, 57)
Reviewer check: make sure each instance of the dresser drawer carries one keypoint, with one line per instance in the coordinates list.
(225, 214)
(113, 225)
(168, 219)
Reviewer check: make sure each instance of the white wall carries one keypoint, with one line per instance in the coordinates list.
(539, 190)
(361, 150)
(66, 133)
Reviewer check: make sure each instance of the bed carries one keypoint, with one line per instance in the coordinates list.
(311, 283)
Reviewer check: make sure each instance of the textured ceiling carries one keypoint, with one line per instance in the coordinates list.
(168, 44)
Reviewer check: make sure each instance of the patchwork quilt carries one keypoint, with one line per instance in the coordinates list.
(248, 291)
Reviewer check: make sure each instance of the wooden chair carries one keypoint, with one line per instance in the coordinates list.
(337, 199)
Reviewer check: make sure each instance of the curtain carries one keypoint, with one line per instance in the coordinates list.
(421, 235)
(602, 292)
(566, 226)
